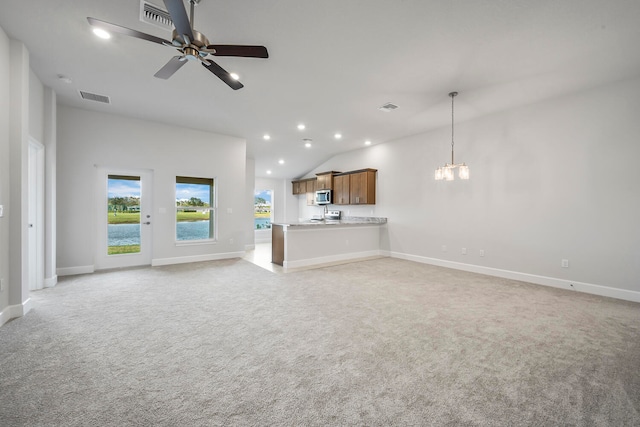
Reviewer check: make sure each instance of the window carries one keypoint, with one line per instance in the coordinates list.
(195, 209)
(262, 211)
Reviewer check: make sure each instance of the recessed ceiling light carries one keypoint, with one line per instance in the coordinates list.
(367, 142)
(101, 33)
(301, 126)
(268, 172)
(266, 137)
(234, 76)
(337, 136)
(307, 142)
(281, 161)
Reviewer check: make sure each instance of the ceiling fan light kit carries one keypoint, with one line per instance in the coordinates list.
(192, 44)
(446, 172)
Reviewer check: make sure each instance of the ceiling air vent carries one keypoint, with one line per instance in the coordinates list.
(95, 97)
(152, 14)
(387, 107)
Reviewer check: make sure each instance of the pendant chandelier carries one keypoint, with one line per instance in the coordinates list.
(446, 172)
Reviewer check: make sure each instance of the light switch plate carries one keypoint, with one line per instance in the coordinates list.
(1, 211)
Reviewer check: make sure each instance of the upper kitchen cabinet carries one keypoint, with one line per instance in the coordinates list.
(362, 187)
(295, 187)
(341, 190)
(325, 180)
(312, 185)
(303, 186)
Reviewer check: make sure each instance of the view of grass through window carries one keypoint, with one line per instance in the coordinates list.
(262, 209)
(123, 214)
(195, 212)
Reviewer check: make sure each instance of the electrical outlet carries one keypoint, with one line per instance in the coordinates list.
(346, 242)
(444, 248)
(1, 285)
(565, 263)
(231, 241)
(464, 251)
(229, 211)
(1, 211)
(481, 252)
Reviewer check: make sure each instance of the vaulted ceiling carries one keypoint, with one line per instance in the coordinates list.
(332, 64)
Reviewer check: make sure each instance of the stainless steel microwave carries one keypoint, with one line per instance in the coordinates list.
(323, 197)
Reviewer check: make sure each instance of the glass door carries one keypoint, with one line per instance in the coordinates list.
(124, 219)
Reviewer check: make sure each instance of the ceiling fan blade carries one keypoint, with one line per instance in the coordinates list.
(126, 31)
(179, 17)
(223, 75)
(237, 50)
(170, 67)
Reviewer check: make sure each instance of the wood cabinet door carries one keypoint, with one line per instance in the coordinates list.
(311, 192)
(341, 190)
(325, 182)
(363, 188)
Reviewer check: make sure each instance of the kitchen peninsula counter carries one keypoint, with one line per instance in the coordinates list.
(348, 220)
(312, 242)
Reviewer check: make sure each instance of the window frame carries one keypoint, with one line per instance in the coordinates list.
(212, 208)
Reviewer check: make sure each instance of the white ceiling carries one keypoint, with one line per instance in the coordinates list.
(332, 64)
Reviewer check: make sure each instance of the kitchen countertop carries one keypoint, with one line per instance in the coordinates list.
(347, 220)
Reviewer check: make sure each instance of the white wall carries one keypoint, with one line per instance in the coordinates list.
(36, 108)
(18, 177)
(86, 139)
(550, 181)
(24, 112)
(5, 84)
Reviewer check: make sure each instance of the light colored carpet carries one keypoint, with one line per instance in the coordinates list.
(382, 342)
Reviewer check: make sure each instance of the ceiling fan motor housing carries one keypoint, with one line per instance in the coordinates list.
(191, 50)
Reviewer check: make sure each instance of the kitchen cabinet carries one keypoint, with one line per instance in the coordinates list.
(341, 190)
(362, 187)
(277, 244)
(303, 186)
(325, 180)
(295, 187)
(311, 191)
(349, 188)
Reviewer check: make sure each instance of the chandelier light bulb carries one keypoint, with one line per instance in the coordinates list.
(463, 171)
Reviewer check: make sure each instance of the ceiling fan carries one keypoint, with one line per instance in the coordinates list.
(191, 44)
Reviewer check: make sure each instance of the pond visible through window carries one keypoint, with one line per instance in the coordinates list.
(195, 209)
(262, 209)
(123, 214)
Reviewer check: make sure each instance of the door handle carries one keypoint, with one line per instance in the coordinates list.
(30, 225)
(147, 223)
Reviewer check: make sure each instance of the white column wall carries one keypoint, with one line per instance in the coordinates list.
(5, 89)
(250, 238)
(50, 149)
(18, 178)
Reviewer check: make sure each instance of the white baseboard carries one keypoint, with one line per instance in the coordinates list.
(249, 247)
(195, 258)
(50, 282)
(264, 240)
(331, 258)
(72, 271)
(588, 288)
(13, 311)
